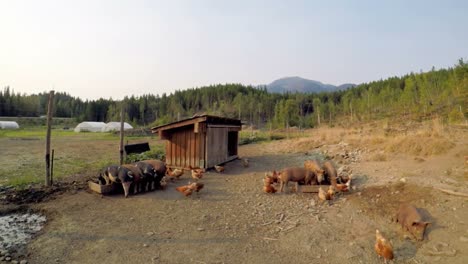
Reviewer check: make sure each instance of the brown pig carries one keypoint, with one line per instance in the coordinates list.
(314, 166)
(296, 175)
(411, 220)
(330, 173)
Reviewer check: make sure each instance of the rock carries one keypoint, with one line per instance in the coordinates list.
(150, 233)
(312, 202)
(14, 262)
(7, 258)
(201, 229)
(403, 180)
(145, 245)
(2, 258)
(463, 239)
(24, 261)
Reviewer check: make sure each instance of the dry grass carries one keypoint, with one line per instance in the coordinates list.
(379, 157)
(420, 145)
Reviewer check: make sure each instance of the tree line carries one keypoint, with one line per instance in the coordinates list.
(442, 92)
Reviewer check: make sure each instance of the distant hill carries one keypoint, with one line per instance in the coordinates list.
(298, 84)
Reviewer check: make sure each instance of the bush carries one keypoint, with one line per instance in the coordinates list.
(150, 154)
(455, 116)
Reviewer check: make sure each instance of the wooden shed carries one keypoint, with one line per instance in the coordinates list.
(201, 141)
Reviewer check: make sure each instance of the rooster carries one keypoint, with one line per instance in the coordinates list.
(219, 169)
(185, 190)
(245, 163)
(383, 246)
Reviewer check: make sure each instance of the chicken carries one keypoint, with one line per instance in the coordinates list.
(322, 194)
(174, 174)
(269, 189)
(245, 163)
(185, 190)
(163, 183)
(268, 180)
(383, 246)
(196, 186)
(272, 177)
(197, 173)
(342, 187)
(219, 169)
(330, 193)
(348, 183)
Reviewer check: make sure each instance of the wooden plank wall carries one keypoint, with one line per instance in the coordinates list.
(216, 148)
(185, 148)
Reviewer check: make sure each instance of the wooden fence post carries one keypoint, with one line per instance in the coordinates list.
(52, 168)
(121, 134)
(49, 124)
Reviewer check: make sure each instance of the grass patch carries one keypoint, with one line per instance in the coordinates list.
(248, 137)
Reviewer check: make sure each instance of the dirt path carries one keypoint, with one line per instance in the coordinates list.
(232, 221)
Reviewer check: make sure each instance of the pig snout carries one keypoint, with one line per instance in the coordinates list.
(418, 229)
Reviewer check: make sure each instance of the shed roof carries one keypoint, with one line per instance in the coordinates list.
(217, 120)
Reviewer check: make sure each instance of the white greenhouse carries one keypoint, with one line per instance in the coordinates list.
(90, 127)
(115, 126)
(8, 125)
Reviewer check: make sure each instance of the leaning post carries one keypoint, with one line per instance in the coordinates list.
(49, 124)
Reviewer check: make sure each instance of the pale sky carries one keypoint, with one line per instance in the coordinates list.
(92, 48)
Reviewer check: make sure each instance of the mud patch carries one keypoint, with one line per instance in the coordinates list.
(385, 200)
(17, 228)
(38, 193)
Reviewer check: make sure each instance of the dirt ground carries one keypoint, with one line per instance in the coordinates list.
(232, 221)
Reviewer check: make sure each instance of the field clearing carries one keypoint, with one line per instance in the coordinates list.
(23, 151)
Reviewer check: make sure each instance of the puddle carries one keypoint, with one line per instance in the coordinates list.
(18, 228)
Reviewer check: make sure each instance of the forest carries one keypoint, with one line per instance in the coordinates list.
(416, 96)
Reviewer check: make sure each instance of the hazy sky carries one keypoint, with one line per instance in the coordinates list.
(113, 48)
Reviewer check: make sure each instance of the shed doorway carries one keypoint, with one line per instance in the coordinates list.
(232, 143)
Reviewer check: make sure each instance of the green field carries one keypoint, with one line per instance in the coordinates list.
(81, 154)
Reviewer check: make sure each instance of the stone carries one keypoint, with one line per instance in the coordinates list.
(24, 261)
(201, 229)
(7, 258)
(150, 233)
(14, 262)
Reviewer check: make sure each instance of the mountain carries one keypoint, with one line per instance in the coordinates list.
(298, 84)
